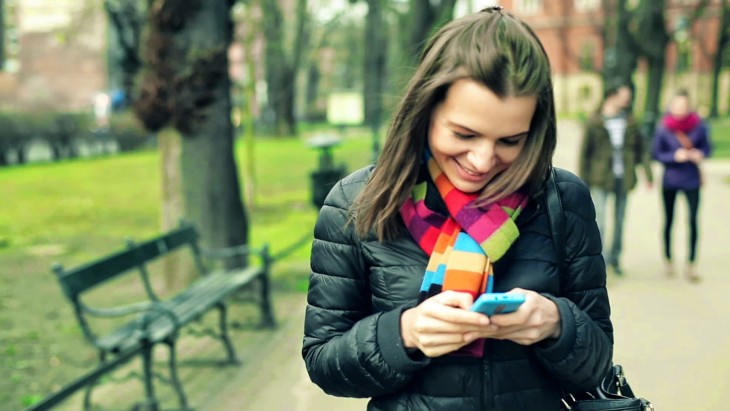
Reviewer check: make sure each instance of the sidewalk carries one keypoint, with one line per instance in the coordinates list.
(671, 336)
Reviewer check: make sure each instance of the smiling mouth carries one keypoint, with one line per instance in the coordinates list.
(470, 172)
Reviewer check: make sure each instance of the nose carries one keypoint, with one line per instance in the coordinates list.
(483, 156)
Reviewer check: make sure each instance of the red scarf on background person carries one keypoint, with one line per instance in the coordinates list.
(681, 126)
(684, 125)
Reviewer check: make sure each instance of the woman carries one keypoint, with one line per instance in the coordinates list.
(681, 144)
(461, 175)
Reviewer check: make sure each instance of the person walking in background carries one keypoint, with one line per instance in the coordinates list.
(453, 209)
(681, 143)
(611, 151)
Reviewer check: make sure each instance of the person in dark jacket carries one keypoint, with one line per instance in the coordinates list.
(454, 208)
(681, 144)
(612, 150)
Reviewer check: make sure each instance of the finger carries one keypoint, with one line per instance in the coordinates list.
(526, 336)
(434, 325)
(454, 299)
(443, 339)
(433, 352)
(452, 306)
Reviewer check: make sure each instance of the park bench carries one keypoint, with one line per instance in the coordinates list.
(153, 319)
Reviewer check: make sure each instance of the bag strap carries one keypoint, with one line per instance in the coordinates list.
(556, 217)
(616, 383)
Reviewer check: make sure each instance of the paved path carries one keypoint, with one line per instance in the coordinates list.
(671, 336)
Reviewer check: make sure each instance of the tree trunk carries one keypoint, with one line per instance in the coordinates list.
(621, 56)
(186, 85)
(281, 70)
(426, 17)
(174, 266)
(211, 190)
(375, 54)
(653, 39)
(2, 36)
(126, 19)
(723, 39)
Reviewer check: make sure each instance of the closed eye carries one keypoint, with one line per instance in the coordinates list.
(512, 141)
(463, 136)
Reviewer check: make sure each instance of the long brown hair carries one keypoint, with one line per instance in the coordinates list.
(495, 49)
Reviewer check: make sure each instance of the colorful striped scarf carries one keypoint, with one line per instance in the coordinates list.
(462, 245)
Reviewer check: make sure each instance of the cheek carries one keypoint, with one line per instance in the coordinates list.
(507, 155)
(441, 144)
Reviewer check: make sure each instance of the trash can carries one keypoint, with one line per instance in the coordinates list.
(327, 174)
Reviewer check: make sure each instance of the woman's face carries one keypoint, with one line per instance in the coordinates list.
(679, 107)
(475, 135)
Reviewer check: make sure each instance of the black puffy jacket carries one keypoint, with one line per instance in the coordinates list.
(359, 288)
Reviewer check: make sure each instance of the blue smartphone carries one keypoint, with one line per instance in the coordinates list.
(498, 303)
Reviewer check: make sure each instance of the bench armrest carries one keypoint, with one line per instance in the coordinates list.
(144, 309)
(160, 308)
(228, 252)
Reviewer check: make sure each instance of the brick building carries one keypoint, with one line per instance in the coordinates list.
(572, 32)
(55, 54)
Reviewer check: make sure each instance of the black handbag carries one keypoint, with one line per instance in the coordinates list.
(614, 392)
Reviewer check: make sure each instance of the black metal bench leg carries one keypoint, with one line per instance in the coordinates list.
(149, 390)
(174, 375)
(223, 323)
(90, 387)
(267, 309)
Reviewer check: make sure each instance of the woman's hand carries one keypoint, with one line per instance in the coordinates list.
(537, 319)
(696, 156)
(442, 324)
(682, 155)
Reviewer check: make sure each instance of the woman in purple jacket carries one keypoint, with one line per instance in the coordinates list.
(681, 143)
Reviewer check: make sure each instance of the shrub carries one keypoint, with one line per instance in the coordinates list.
(128, 132)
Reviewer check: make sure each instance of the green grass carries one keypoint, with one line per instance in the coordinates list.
(78, 210)
(720, 135)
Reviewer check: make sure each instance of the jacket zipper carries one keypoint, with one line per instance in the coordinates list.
(486, 400)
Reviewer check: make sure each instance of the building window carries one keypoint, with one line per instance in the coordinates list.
(526, 7)
(9, 60)
(585, 6)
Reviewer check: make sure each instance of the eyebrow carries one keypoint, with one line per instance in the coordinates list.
(468, 130)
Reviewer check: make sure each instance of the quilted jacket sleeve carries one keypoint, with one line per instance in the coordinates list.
(580, 357)
(349, 350)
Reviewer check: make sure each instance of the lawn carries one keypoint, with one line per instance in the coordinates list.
(78, 210)
(720, 134)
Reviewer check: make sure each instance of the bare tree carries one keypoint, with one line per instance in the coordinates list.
(425, 17)
(127, 18)
(2, 35)
(376, 51)
(621, 55)
(723, 40)
(282, 65)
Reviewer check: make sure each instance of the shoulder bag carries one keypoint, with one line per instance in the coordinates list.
(614, 392)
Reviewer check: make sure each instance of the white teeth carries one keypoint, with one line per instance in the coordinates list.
(471, 173)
